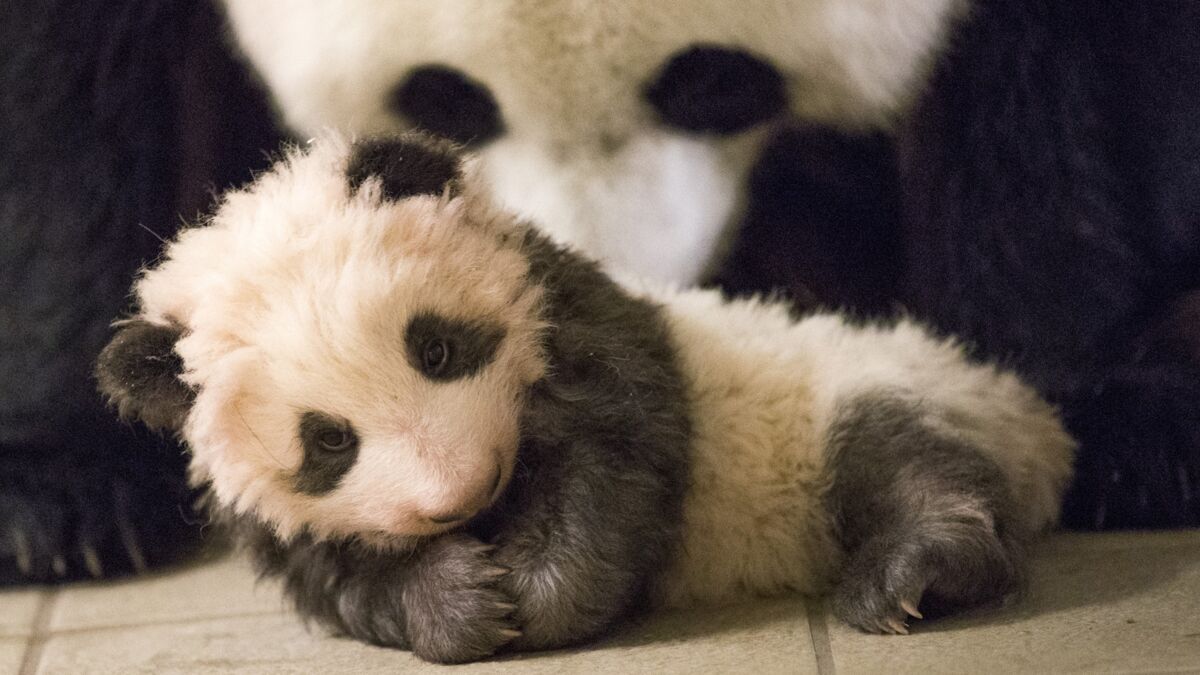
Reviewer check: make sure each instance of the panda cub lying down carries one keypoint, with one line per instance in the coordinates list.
(446, 433)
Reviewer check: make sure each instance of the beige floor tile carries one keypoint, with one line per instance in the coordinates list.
(1097, 603)
(226, 587)
(12, 651)
(17, 610)
(764, 638)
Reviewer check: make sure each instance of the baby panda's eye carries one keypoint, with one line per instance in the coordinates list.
(435, 357)
(335, 440)
(330, 450)
(445, 349)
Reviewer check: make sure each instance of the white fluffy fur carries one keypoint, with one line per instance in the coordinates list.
(765, 390)
(582, 152)
(295, 296)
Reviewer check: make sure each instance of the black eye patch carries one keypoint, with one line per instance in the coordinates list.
(445, 349)
(330, 450)
(709, 89)
(445, 102)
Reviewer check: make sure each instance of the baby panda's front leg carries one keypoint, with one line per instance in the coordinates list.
(583, 553)
(442, 600)
(925, 518)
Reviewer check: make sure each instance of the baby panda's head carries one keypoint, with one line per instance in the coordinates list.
(345, 347)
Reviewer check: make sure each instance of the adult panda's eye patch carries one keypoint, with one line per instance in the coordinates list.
(718, 90)
(444, 349)
(330, 450)
(446, 102)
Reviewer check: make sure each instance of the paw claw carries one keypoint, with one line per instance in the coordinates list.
(91, 561)
(21, 546)
(497, 572)
(506, 606)
(910, 608)
(510, 632)
(59, 565)
(897, 627)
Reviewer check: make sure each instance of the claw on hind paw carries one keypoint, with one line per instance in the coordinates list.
(910, 608)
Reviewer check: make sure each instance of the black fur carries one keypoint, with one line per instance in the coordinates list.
(322, 468)
(718, 90)
(448, 103)
(1051, 212)
(821, 222)
(1040, 201)
(139, 373)
(115, 114)
(469, 345)
(405, 167)
(592, 512)
(924, 519)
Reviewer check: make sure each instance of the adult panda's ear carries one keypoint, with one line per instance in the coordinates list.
(139, 372)
(407, 166)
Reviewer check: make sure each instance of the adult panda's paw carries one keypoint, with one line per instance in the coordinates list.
(935, 568)
(66, 514)
(453, 606)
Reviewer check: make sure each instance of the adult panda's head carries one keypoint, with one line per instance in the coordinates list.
(626, 128)
(345, 346)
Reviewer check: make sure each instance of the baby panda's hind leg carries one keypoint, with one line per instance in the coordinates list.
(925, 519)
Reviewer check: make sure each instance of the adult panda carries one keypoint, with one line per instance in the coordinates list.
(118, 117)
(1018, 172)
(447, 433)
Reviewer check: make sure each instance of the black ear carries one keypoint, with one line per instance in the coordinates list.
(139, 373)
(408, 165)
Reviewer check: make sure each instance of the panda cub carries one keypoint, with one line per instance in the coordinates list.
(449, 434)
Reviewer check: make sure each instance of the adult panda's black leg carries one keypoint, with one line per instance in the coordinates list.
(1048, 187)
(113, 505)
(117, 124)
(925, 520)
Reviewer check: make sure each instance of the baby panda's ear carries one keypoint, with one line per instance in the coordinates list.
(407, 165)
(139, 373)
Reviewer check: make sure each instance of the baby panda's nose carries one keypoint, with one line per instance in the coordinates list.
(481, 501)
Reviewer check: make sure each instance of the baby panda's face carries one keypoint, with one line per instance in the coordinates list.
(359, 337)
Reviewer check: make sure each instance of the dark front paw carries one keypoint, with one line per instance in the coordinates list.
(934, 569)
(454, 608)
(562, 600)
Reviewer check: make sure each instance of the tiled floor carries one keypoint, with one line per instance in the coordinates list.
(1104, 603)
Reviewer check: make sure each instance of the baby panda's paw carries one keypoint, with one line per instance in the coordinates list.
(454, 608)
(935, 568)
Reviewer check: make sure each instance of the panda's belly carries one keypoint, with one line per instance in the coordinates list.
(754, 520)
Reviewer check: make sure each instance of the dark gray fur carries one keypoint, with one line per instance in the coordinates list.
(322, 470)
(139, 373)
(592, 513)
(471, 343)
(898, 493)
(406, 166)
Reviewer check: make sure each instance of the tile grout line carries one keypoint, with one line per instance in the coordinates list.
(41, 632)
(173, 621)
(818, 632)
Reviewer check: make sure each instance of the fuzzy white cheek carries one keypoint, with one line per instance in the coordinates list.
(660, 207)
